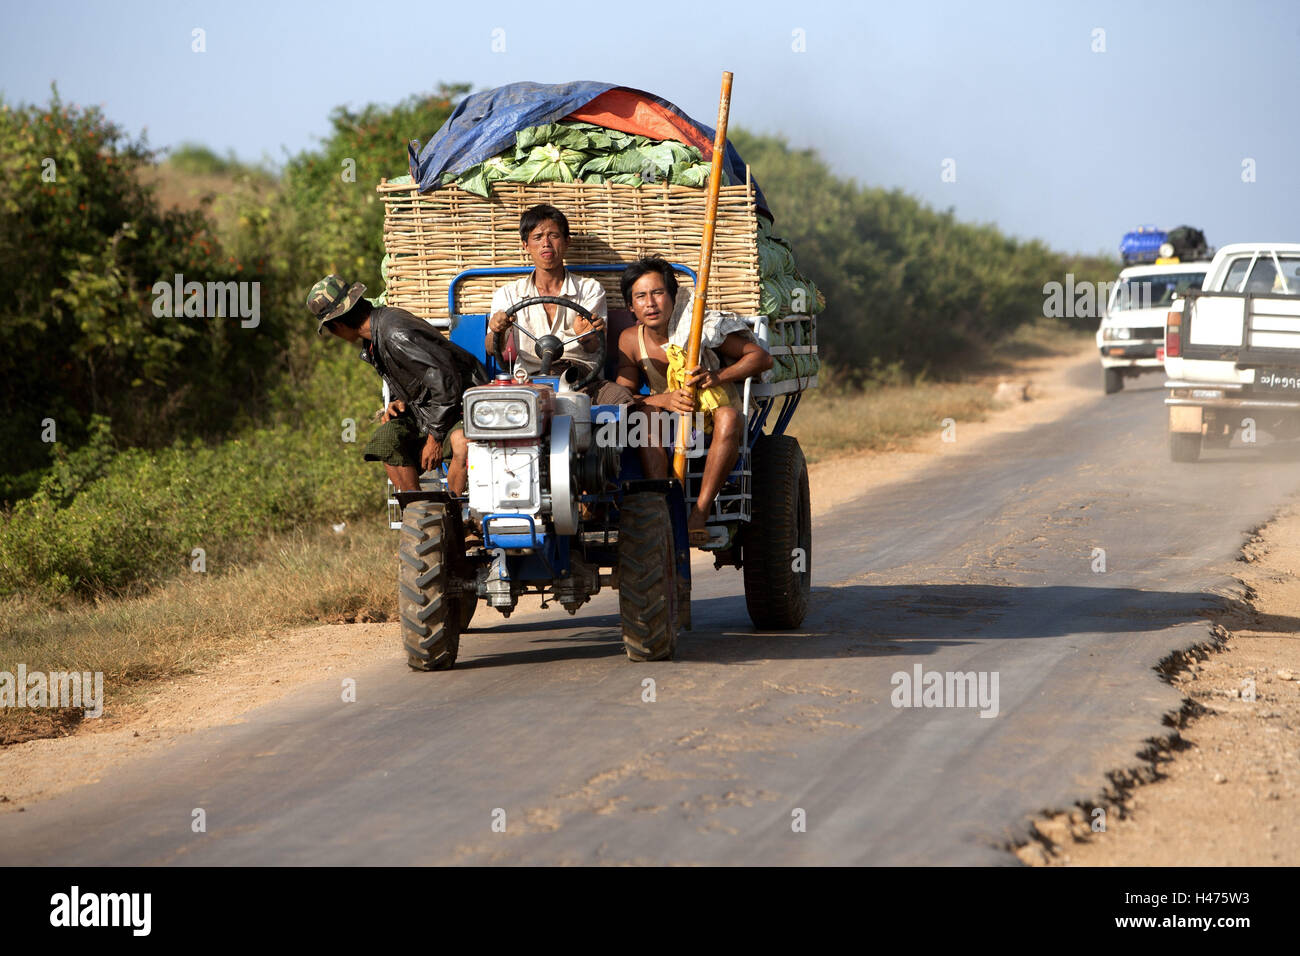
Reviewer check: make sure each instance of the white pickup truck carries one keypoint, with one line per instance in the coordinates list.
(1232, 350)
(1131, 337)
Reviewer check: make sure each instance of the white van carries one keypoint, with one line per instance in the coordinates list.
(1131, 338)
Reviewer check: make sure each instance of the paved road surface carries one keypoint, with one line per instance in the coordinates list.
(983, 563)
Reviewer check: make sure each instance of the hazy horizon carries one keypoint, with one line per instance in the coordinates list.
(1054, 131)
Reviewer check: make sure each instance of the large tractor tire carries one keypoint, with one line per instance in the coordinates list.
(431, 620)
(647, 577)
(777, 549)
(466, 605)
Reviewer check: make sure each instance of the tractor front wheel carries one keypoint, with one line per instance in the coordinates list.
(647, 577)
(431, 618)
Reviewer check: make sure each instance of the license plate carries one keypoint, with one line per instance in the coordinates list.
(1278, 380)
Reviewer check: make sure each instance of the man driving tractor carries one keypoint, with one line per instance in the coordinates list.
(544, 232)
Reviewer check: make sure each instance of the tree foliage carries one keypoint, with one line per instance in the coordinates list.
(907, 286)
(82, 244)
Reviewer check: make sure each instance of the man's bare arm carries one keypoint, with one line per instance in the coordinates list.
(629, 373)
(499, 320)
(749, 357)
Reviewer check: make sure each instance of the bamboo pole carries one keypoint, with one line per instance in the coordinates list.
(706, 257)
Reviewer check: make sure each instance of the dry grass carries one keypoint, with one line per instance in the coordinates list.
(1041, 339)
(829, 425)
(835, 421)
(192, 620)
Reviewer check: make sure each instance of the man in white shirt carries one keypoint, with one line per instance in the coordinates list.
(544, 232)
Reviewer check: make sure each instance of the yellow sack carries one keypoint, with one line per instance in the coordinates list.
(707, 399)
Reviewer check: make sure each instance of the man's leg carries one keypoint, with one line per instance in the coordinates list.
(721, 459)
(403, 477)
(395, 444)
(604, 392)
(653, 452)
(458, 468)
(654, 463)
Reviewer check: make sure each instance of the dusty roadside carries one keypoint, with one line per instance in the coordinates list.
(1223, 789)
(220, 694)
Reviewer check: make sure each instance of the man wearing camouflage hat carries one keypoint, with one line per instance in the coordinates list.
(426, 376)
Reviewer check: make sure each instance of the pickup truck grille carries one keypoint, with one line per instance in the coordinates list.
(1154, 332)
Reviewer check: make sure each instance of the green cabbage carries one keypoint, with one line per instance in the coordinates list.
(548, 163)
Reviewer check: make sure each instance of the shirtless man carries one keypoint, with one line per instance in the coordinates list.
(650, 291)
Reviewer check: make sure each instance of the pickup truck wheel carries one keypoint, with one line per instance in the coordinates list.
(1184, 446)
(1113, 380)
(647, 577)
(431, 620)
(1218, 432)
(777, 549)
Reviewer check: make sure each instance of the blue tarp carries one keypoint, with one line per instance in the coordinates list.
(484, 124)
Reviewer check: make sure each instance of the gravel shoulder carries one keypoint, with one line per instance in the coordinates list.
(1223, 788)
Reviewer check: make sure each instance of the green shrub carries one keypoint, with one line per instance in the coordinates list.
(106, 520)
(82, 244)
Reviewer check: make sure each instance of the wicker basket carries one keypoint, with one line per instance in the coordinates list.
(433, 236)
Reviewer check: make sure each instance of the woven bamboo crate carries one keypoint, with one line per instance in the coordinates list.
(433, 236)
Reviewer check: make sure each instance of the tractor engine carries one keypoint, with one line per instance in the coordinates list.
(531, 457)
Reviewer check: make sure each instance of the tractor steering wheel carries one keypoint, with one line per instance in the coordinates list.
(549, 348)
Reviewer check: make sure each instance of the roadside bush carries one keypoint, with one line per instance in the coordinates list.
(110, 521)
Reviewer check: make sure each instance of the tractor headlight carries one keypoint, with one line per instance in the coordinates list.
(489, 414)
(497, 412)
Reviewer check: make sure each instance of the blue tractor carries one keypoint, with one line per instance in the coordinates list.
(563, 510)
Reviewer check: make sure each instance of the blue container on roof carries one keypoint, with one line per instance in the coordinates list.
(1142, 245)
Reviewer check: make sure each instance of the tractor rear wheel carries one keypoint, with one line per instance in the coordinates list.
(777, 549)
(466, 605)
(647, 577)
(431, 619)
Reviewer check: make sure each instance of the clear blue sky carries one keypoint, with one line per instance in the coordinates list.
(1050, 139)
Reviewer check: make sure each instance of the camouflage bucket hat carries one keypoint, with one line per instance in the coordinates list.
(331, 298)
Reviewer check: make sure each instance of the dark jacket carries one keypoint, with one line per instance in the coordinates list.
(422, 368)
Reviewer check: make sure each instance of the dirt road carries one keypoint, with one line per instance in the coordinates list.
(1057, 564)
